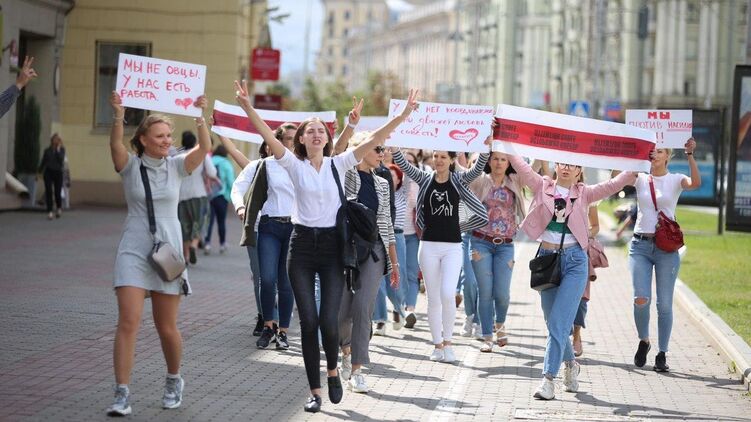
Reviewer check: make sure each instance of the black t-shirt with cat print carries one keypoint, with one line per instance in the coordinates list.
(441, 213)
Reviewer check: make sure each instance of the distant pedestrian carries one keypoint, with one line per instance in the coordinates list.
(220, 201)
(52, 167)
(135, 278)
(645, 257)
(558, 215)
(25, 75)
(410, 267)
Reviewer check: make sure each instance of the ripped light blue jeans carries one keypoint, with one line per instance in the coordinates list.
(643, 256)
(493, 265)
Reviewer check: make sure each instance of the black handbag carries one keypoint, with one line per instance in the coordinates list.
(164, 259)
(357, 229)
(546, 269)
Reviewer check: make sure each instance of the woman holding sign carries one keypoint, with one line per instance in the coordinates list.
(657, 191)
(135, 279)
(558, 219)
(314, 246)
(440, 254)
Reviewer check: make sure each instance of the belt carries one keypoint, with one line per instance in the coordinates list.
(398, 231)
(554, 246)
(644, 236)
(283, 220)
(492, 239)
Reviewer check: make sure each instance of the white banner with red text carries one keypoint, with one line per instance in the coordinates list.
(442, 127)
(231, 121)
(560, 138)
(672, 128)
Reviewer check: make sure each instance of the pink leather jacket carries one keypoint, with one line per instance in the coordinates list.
(541, 210)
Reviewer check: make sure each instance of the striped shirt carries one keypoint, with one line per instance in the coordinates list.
(7, 98)
(383, 219)
(400, 200)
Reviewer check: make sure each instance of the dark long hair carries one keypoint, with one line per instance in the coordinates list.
(299, 149)
(279, 135)
(487, 170)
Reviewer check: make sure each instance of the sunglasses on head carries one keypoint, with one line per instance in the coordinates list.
(380, 149)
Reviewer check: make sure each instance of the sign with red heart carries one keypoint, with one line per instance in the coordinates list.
(444, 127)
(155, 84)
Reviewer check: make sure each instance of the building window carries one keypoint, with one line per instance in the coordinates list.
(329, 69)
(347, 15)
(344, 70)
(107, 55)
(331, 51)
(331, 18)
(345, 51)
(345, 32)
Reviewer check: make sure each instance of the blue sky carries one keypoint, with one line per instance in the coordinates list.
(290, 36)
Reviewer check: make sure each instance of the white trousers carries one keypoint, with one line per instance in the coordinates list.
(441, 263)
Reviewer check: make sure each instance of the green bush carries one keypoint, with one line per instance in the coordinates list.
(28, 131)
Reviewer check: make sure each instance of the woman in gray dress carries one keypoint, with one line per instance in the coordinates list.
(135, 280)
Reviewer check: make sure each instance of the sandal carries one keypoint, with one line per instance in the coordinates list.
(487, 346)
(578, 350)
(501, 337)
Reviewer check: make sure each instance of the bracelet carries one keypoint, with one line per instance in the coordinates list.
(351, 126)
(689, 153)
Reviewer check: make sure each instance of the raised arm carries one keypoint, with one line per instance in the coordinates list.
(195, 156)
(233, 152)
(117, 149)
(527, 176)
(241, 95)
(695, 181)
(349, 130)
(411, 171)
(609, 187)
(379, 136)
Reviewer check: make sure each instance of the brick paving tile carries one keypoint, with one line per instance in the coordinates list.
(57, 316)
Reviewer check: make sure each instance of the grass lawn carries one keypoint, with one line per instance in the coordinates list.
(716, 267)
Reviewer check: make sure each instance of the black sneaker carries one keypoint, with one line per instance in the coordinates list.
(661, 364)
(314, 404)
(267, 335)
(640, 358)
(411, 320)
(335, 388)
(281, 341)
(276, 330)
(259, 326)
(193, 258)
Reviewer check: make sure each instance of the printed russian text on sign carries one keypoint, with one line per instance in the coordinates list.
(160, 85)
(443, 127)
(573, 140)
(672, 128)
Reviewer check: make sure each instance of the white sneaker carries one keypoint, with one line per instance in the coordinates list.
(571, 377)
(357, 383)
(448, 354)
(467, 328)
(346, 372)
(121, 406)
(487, 347)
(173, 393)
(546, 390)
(477, 332)
(437, 355)
(380, 329)
(207, 249)
(222, 248)
(399, 324)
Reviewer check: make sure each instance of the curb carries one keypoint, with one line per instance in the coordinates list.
(736, 352)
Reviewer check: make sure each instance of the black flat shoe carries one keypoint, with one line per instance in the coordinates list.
(640, 358)
(661, 364)
(192, 255)
(314, 404)
(335, 388)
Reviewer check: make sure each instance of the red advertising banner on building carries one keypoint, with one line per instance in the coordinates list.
(264, 64)
(267, 101)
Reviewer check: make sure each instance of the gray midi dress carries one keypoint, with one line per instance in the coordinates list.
(131, 265)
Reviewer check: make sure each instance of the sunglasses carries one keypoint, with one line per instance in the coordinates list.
(380, 149)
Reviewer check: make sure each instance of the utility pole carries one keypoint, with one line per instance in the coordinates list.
(307, 40)
(642, 34)
(598, 50)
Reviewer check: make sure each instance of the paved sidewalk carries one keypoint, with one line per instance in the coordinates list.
(57, 317)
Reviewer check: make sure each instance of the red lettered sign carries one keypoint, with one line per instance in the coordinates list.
(267, 101)
(264, 64)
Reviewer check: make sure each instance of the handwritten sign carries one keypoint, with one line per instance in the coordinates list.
(443, 127)
(369, 123)
(232, 122)
(160, 85)
(568, 139)
(672, 128)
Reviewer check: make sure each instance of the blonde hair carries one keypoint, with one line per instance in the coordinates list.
(144, 127)
(358, 138)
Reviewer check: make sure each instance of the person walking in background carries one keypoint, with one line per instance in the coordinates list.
(135, 279)
(440, 254)
(656, 192)
(25, 75)
(412, 244)
(193, 199)
(314, 245)
(219, 202)
(596, 258)
(492, 248)
(51, 166)
(558, 216)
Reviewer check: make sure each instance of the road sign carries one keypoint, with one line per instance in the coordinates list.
(579, 108)
(267, 101)
(264, 64)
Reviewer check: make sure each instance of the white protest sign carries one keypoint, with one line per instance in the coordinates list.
(160, 85)
(369, 123)
(671, 127)
(575, 140)
(443, 127)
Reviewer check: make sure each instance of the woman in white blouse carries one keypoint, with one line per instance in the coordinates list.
(314, 246)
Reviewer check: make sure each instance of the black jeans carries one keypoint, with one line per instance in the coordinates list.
(218, 210)
(53, 177)
(316, 250)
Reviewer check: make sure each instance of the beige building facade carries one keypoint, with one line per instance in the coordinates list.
(218, 34)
